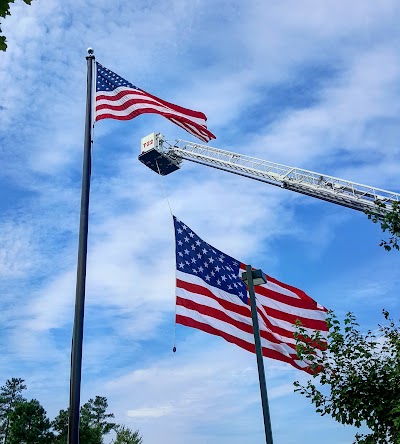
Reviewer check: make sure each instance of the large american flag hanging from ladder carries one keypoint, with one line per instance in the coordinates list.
(116, 98)
(211, 296)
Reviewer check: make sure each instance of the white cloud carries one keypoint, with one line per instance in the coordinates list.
(16, 253)
(151, 412)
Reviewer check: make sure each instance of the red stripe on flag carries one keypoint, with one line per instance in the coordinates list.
(300, 293)
(314, 324)
(268, 353)
(238, 308)
(224, 317)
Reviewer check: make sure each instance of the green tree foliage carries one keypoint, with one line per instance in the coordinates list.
(60, 427)
(4, 11)
(127, 436)
(94, 422)
(390, 223)
(29, 424)
(25, 422)
(359, 376)
(10, 396)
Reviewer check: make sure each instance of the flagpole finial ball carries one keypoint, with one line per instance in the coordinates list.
(174, 349)
(90, 51)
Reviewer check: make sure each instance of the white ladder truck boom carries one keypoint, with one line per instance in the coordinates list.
(165, 157)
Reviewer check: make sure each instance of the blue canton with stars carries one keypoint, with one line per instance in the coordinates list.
(108, 81)
(196, 257)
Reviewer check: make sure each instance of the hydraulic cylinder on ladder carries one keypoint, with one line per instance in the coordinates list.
(165, 157)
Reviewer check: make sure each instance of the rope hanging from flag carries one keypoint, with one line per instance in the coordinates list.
(210, 296)
(116, 98)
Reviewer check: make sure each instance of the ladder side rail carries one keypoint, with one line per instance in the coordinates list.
(323, 181)
(297, 174)
(328, 195)
(206, 160)
(290, 173)
(342, 200)
(230, 156)
(347, 193)
(336, 199)
(337, 195)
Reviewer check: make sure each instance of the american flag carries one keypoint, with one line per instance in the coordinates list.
(211, 296)
(116, 98)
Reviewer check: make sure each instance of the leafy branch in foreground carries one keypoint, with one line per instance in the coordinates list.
(4, 11)
(359, 376)
(390, 222)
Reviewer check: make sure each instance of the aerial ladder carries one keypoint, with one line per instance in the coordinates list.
(165, 157)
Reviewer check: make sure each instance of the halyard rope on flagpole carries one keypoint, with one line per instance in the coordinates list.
(164, 189)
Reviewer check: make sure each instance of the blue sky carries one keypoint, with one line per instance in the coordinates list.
(308, 84)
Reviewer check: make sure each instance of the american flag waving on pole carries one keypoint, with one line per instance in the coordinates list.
(116, 98)
(211, 296)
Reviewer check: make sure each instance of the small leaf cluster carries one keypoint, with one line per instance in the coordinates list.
(359, 376)
(4, 11)
(389, 221)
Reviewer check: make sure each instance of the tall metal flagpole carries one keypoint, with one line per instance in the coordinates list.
(77, 334)
(260, 361)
